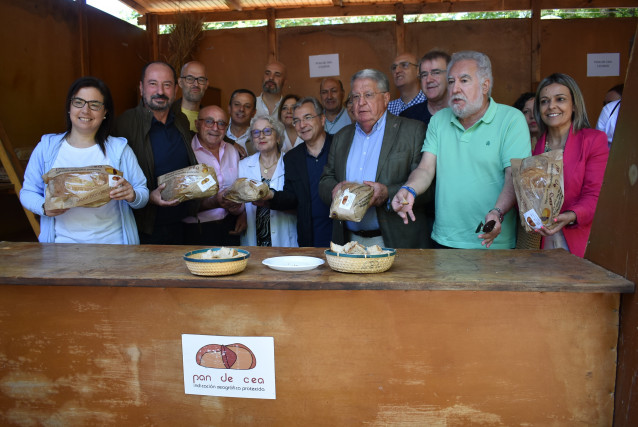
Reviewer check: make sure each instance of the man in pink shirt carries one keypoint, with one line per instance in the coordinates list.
(216, 224)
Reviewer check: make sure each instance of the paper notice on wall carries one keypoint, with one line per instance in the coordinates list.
(603, 64)
(324, 65)
(229, 366)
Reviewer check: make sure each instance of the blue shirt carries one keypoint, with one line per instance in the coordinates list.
(396, 106)
(169, 154)
(321, 221)
(342, 120)
(362, 163)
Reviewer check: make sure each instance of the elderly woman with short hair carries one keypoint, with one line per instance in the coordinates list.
(266, 227)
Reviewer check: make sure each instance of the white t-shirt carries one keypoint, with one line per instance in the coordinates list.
(87, 225)
(608, 118)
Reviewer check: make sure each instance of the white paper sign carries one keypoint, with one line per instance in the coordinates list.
(229, 366)
(324, 65)
(603, 64)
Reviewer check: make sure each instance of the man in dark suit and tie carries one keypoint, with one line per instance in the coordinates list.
(378, 150)
(304, 165)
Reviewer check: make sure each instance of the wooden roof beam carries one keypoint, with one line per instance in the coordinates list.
(389, 9)
(135, 5)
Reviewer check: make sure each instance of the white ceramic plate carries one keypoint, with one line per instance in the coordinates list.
(293, 263)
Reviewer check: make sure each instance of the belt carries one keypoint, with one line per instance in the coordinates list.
(367, 234)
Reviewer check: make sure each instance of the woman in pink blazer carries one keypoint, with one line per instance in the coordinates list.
(560, 113)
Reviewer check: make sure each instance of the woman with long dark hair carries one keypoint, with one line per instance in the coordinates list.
(86, 142)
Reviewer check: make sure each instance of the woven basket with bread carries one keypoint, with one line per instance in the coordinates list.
(216, 261)
(356, 258)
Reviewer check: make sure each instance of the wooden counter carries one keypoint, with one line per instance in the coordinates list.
(91, 334)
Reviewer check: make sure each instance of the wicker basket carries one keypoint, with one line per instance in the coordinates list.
(215, 267)
(526, 240)
(347, 263)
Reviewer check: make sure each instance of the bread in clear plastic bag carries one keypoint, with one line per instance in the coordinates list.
(539, 186)
(351, 202)
(193, 182)
(87, 187)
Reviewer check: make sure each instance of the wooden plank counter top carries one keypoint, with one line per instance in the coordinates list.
(92, 334)
(163, 266)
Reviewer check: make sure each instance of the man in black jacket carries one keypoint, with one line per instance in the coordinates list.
(160, 140)
(304, 165)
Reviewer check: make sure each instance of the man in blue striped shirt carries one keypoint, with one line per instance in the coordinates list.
(405, 72)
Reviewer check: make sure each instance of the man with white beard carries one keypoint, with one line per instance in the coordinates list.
(469, 146)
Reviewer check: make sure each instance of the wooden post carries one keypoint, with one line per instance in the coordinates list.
(273, 51)
(613, 243)
(152, 28)
(13, 167)
(400, 28)
(536, 44)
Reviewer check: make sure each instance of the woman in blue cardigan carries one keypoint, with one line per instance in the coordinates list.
(86, 142)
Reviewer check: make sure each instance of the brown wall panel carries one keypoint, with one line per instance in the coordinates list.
(566, 43)
(358, 48)
(40, 56)
(117, 53)
(506, 42)
(234, 59)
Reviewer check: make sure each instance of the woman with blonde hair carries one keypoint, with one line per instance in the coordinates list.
(267, 227)
(560, 112)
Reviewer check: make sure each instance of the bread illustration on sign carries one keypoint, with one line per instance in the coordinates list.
(231, 356)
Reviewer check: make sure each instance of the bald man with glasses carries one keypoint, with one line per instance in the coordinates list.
(216, 223)
(193, 82)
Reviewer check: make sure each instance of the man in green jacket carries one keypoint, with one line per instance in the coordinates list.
(160, 139)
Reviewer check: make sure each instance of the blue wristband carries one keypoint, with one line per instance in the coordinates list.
(410, 190)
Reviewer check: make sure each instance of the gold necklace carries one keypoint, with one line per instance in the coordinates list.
(268, 167)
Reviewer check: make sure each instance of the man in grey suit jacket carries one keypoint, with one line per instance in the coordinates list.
(379, 150)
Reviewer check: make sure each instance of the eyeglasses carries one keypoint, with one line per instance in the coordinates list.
(434, 73)
(93, 105)
(404, 65)
(368, 96)
(488, 227)
(256, 133)
(304, 119)
(192, 79)
(210, 122)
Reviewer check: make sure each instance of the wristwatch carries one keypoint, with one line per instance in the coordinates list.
(500, 213)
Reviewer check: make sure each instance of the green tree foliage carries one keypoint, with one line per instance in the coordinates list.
(590, 13)
(133, 16)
